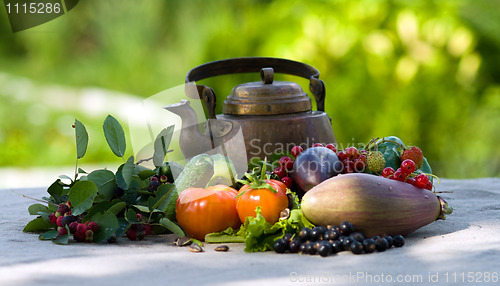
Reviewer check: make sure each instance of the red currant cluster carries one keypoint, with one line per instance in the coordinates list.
(285, 166)
(139, 230)
(405, 174)
(82, 232)
(354, 161)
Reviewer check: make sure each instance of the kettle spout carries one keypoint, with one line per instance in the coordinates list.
(192, 141)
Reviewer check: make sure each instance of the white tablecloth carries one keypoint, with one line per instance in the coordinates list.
(464, 249)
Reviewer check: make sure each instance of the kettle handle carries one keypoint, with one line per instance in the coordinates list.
(254, 64)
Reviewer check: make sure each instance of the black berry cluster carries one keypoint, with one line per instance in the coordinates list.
(328, 240)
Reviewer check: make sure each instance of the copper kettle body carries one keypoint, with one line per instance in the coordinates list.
(273, 115)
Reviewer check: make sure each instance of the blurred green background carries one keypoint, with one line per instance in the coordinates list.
(425, 71)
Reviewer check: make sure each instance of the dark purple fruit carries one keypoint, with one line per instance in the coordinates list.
(369, 245)
(398, 240)
(315, 165)
(389, 240)
(358, 236)
(305, 234)
(294, 246)
(288, 237)
(346, 228)
(347, 242)
(66, 220)
(356, 247)
(381, 244)
(153, 186)
(337, 246)
(325, 248)
(331, 235)
(317, 233)
(280, 245)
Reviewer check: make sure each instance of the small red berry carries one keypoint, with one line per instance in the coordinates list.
(52, 218)
(92, 226)
(147, 229)
(131, 234)
(399, 175)
(63, 208)
(428, 186)
(387, 172)
(81, 228)
(342, 156)
(296, 150)
(318, 145)
(288, 181)
(331, 147)
(59, 221)
(62, 231)
(163, 179)
(421, 181)
(286, 162)
(359, 166)
(410, 181)
(154, 178)
(408, 166)
(351, 152)
(415, 154)
(72, 227)
(280, 172)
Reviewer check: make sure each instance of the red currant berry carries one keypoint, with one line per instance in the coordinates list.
(408, 166)
(342, 156)
(331, 147)
(428, 186)
(318, 145)
(280, 172)
(296, 150)
(387, 172)
(288, 181)
(286, 162)
(421, 181)
(351, 152)
(399, 175)
(359, 166)
(410, 181)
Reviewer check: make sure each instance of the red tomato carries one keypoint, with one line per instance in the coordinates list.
(271, 203)
(202, 211)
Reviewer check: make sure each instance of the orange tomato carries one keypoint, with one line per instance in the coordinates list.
(271, 203)
(201, 211)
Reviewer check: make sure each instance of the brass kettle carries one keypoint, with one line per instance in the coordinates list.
(273, 115)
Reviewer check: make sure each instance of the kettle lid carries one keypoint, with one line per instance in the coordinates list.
(267, 97)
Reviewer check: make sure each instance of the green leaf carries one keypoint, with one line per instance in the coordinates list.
(81, 196)
(63, 239)
(48, 235)
(159, 201)
(128, 171)
(56, 189)
(117, 208)
(173, 227)
(115, 136)
(131, 216)
(143, 209)
(81, 171)
(145, 174)
(105, 181)
(34, 209)
(161, 144)
(82, 139)
(38, 224)
(108, 225)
